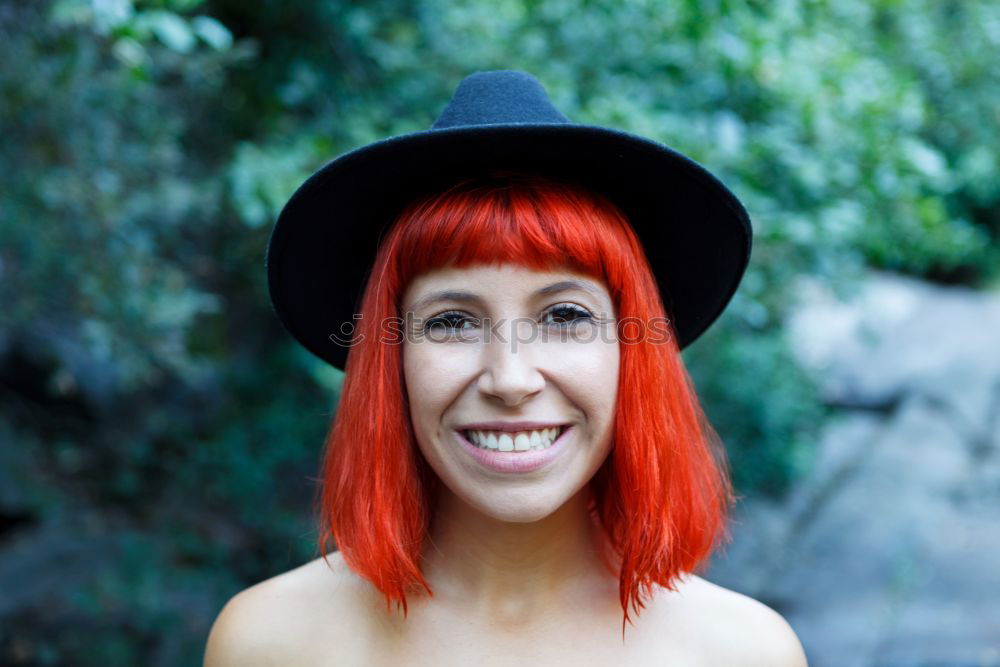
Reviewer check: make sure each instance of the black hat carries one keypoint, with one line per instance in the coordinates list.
(695, 232)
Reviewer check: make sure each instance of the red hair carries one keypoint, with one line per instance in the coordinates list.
(662, 496)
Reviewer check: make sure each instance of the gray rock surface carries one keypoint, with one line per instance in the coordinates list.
(888, 551)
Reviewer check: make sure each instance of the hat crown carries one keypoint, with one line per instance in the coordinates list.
(499, 97)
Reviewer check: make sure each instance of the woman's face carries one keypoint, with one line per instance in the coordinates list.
(498, 359)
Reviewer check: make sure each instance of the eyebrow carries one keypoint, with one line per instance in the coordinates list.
(464, 296)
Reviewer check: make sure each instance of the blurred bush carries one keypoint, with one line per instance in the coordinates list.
(159, 432)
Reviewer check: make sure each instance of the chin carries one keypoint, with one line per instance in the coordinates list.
(514, 507)
(521, 514)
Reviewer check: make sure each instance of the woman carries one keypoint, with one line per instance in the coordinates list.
(518, 459)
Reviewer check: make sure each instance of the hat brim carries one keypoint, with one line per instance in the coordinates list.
(696, 234)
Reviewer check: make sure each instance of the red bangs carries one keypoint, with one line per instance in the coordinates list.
(516, 219)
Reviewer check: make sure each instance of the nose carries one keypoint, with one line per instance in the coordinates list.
(510, 372)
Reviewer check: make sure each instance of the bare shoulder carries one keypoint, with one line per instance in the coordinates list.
(735, 629)
(283, 620)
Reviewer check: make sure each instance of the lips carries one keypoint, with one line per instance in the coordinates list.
(516, 461)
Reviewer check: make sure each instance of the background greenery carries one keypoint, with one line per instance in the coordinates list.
(160, 433)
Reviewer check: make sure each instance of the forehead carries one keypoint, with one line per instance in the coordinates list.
(504, 279)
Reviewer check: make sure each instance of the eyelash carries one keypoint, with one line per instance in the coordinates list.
(450, 315)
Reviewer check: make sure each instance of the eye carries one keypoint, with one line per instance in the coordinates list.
(449, 321)
(566, 313)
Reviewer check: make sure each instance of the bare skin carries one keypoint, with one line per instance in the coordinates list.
(512, 558)
(321, 615)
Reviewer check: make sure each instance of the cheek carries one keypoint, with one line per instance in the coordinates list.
(415, 375)
(591, 369)
(432, 377)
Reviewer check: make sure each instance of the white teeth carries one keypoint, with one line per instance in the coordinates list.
(521, 441)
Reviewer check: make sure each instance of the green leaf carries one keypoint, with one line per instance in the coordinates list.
(172, 30)
(212, 32)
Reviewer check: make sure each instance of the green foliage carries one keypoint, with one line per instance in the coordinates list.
(155, 416)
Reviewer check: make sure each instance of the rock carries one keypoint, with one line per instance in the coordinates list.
(888, 551)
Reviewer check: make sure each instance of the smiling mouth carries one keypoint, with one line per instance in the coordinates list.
(519, 441)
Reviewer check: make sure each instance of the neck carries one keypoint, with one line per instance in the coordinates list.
(514, 571)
